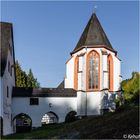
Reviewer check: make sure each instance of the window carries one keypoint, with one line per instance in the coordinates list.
(110, 72)
(76, 70)
(93, 71)
(7, 92)
(34, 101)
(108, 66)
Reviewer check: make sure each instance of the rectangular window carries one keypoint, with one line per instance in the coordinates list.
(34, 101)
(7, 91)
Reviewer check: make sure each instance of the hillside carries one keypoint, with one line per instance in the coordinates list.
(111, 125)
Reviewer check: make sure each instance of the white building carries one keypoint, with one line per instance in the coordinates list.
(7, 79)
(91, 84)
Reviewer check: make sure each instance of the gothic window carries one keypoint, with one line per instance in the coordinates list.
(110, 73)
(76, 70)
(93, 71)
(108, 66)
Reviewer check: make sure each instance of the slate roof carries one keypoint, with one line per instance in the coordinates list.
(93, 36)
(43, 92)
(6, 33)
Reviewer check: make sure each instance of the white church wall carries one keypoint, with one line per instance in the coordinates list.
(59, 105)
(69, 79)
(104, 71)
(81, 103)
(94, 103)
(117, 74)
(89, 103)
(82, 68)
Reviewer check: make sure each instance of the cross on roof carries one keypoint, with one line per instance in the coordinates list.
(95, 8)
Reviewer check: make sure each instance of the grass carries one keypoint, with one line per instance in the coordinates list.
(109, 126)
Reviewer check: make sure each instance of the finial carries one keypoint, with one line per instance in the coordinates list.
(95, 7)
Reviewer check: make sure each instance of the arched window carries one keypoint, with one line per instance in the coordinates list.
(49, 118)
(110, 72)
(93, 71)
(22, 123)
(76, 68)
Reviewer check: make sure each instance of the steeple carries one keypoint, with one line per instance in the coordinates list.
(93, 36)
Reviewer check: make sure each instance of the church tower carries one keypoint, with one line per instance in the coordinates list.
(94, 70)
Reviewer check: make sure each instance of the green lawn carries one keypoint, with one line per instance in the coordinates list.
(110, 125)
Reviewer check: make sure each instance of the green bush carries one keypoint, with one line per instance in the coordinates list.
(119, 101)
(135, 98)
(131, 88)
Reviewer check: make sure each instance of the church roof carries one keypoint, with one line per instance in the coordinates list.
(5, 35)
(43, 92)
(93, 36)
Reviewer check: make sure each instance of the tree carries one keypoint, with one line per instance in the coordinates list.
(21, 76)
(31, 81)
(23, 79)
(131, 88)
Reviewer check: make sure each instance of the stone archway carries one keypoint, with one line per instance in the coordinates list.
(49, 118)
(71, 116)
(22, 123)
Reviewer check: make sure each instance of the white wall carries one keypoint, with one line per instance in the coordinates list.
(1, 97)
(7, 80)
(69, 80)
(117, 74)
(89, 103)
(60, 106)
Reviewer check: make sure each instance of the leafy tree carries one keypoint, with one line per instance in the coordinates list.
(23, 79)
(131, 88)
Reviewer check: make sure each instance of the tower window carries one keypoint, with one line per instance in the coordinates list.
(76, 70)
(93, 71)
(110, 73)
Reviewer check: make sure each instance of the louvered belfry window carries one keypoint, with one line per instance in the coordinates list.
(93, 71)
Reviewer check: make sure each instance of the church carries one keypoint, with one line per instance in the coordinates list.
(90, 87)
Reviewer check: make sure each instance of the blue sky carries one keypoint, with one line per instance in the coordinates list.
(46, 32)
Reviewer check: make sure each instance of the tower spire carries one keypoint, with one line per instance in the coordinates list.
(93, 35)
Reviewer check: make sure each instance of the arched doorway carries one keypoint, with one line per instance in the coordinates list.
(49, 118)
(22, 123)
(1, 126)
(71, 116)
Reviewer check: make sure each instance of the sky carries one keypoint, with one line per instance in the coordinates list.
(46, 32)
